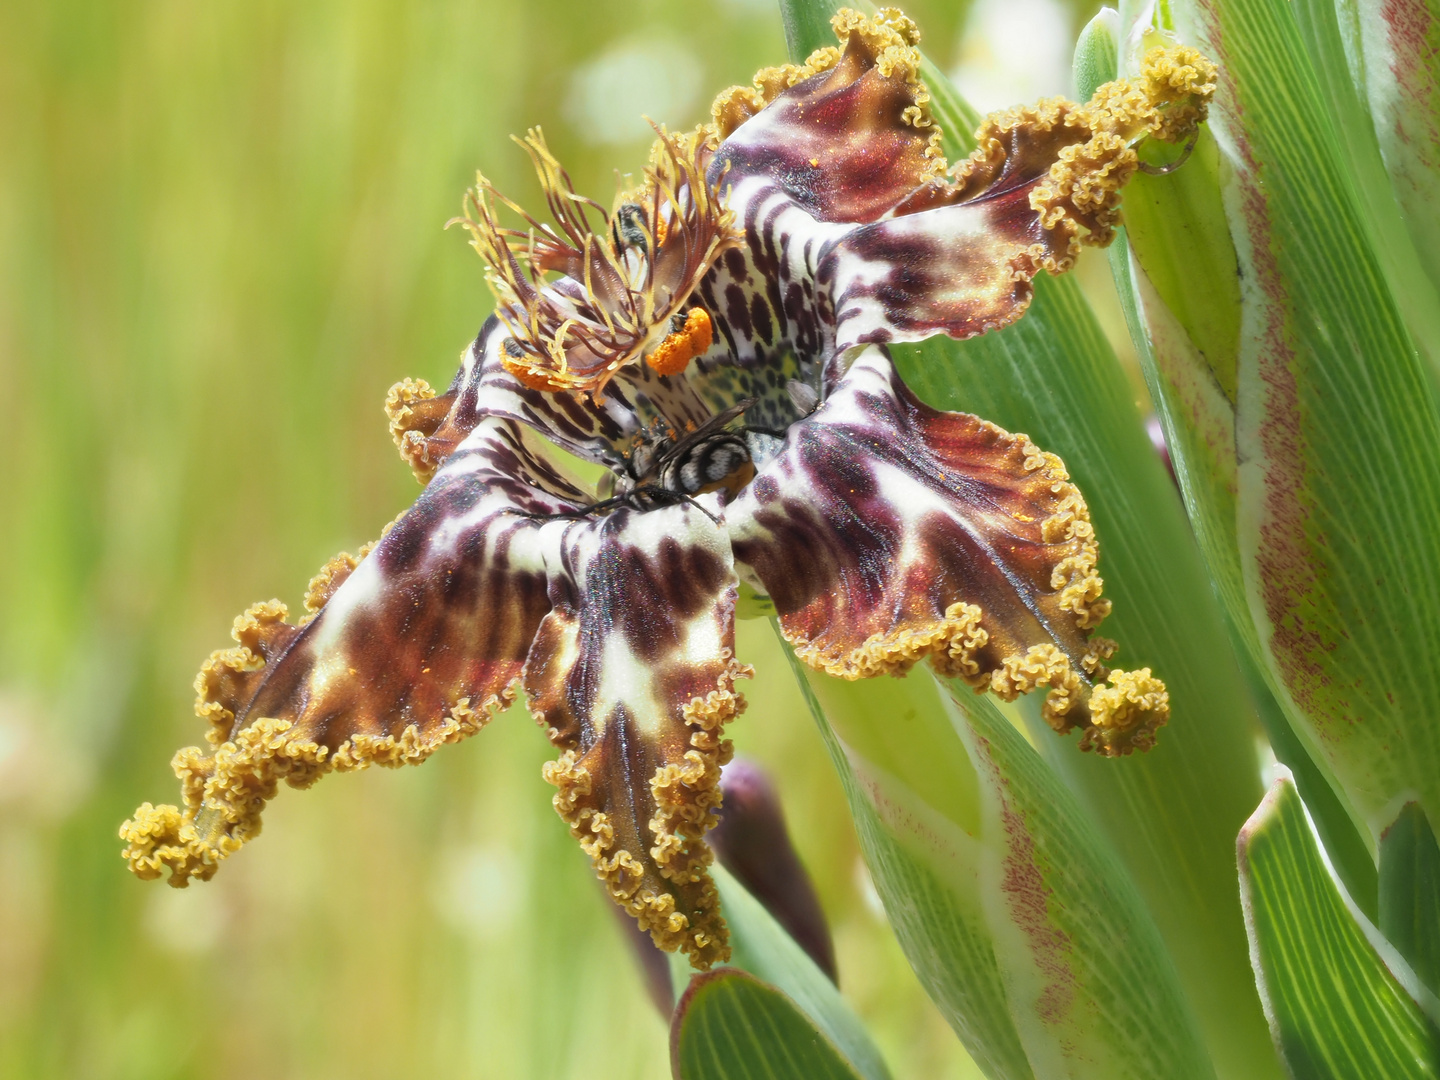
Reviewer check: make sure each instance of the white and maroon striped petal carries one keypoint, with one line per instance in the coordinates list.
(632, 673)
(854, 232)
(414, 644)
(848, 134)
(886, 533)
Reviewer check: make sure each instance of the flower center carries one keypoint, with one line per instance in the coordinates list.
(626, 276)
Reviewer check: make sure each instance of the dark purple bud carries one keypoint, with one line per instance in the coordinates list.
(752, 842)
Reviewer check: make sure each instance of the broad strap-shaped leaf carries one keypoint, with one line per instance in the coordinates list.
(1174, 270)
(1376, 71)
(1399, 54)
(1340, 1002)
(1410, 892)
(1338, 496)
(731, 1026)
(762, 947)
(988, 867)
(911, 792)
(1091, 987)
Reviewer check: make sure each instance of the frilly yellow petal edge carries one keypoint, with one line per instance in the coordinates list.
(1114, 720)
(890, 37)
(224, 792)
(1080, 197)
(687, 797)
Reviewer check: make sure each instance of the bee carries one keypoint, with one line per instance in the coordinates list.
(627, 227)
(663, 470)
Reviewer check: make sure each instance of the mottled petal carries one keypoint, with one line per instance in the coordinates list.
(886, 532)
(848, 133)
(854, 234)
(633, 674)
(407, 647)
(958, 258)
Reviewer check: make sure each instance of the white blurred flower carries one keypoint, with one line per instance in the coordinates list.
(480, 890)
(1014, 51)
(611, 94)
(42, 774)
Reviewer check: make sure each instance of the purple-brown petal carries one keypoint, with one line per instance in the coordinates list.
(886, 533)
(848, 134)
(632, 673)
(413, 644)
(837, 179)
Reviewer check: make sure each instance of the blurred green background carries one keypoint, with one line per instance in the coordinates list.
(220, 243)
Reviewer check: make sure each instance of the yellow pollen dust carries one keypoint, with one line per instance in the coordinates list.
(673, 355)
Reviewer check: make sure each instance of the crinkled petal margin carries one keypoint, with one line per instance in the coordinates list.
(633, 674)
(406, 647)
(620, 629)
(899, 249)
(886, 532)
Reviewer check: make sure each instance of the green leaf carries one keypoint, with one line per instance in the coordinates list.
(1021, 922)
(1095, 51)
(1410, 893)
(1171, 814)
(1385, 52)
(1339, 1001)
(916, 806)
(807, 28)
(1393, 48)
(731, 1026)
(1174, 270)
(1090, 983)
(1337, 501)
(1199, 423)
(1182, 242)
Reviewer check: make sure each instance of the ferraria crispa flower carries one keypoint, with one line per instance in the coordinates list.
(717, 342)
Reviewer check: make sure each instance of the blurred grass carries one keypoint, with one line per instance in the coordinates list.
(220, 242)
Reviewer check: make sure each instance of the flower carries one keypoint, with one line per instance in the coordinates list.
(716, 340)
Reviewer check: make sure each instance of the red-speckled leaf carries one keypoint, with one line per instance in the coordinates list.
(1337, 432)
(1018, 917)
(1400, 46)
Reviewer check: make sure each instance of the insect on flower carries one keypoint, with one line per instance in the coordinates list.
(717, 342)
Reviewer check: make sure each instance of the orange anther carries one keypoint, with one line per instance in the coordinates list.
(531, 375)
(674, 354)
